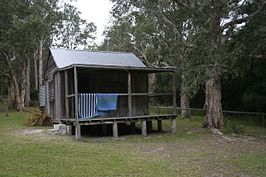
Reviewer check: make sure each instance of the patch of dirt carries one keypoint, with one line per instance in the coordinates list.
(26, 132)
(40, 134)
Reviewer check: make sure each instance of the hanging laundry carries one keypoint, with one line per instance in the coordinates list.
(106, 101)
(87, 105)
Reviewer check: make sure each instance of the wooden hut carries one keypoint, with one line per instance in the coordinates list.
(75, 80)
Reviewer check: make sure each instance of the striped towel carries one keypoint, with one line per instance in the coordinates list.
(87, 105)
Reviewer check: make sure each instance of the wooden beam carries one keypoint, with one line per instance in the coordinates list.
(166, 116)
(142, 94)
(144, 127)
(174, 93)
(129, 90)
(71, 95)
(47, 98)
(56, 98)
(147, 90)
(66, 94)
(133, 127)
(149, 126)
(115, 130)
(101, 67)
(77, 128)
(59, 95)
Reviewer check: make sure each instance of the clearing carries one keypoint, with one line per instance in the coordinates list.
(192, 151)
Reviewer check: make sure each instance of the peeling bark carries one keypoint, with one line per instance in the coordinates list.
(36, 80)
(27, 99)
(151, 81)
(184, 103)
(14, 83)
(40, 62)
(23, 83)
(11, 95)
(213, 106)
(18, 87)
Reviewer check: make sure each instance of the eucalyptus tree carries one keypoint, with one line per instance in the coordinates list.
(161, 33)
(27, 29)
(73, 31)
(198, 33)
(134, 31)
(214, 23)
(23, 25)
(248, 48)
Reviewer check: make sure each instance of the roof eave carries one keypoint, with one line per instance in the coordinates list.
(110, 67)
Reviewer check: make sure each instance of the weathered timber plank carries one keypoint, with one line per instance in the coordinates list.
(115, 130)
(66, 94)
(129, 95)
(144, 127)
(77, 127)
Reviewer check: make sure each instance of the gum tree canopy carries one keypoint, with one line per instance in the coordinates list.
(193, 35)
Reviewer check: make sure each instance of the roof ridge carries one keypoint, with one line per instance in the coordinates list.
(79, 50)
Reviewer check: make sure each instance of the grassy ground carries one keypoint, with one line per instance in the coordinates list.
(192, 151)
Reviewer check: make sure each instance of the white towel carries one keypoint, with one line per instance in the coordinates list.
(87, 105)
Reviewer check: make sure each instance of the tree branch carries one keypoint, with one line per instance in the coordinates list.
(239, 21)
(4, 74)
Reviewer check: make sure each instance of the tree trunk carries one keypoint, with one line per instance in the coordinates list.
(151, 81)
(12, 74)
(27, 100)
(10, 95)
(184, 100)
(213, 106)
(184, 103)
(40, 62)
(23, 83)
(36, 70)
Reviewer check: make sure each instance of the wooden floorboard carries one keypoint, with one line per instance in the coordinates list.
(129, 118)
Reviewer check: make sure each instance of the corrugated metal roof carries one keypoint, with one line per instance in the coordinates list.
(68, 57)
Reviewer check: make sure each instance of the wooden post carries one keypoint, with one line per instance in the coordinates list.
(149, 126)
(144, 127)
(58, 108)
(55, 97)
(174, 92)
(66, 94)
(77, 128)
(159, 124)
(115, 130)
(147, 97)
(173, 125)
(173, 120)
(104, 129)
(133, 127)
(47, 97)
(129, 95)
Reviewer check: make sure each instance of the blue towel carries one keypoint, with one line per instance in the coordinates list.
(106, 102)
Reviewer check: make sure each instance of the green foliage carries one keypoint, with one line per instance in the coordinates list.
(204, 39)
(28, 29)
(72, 31)
(246, 89)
